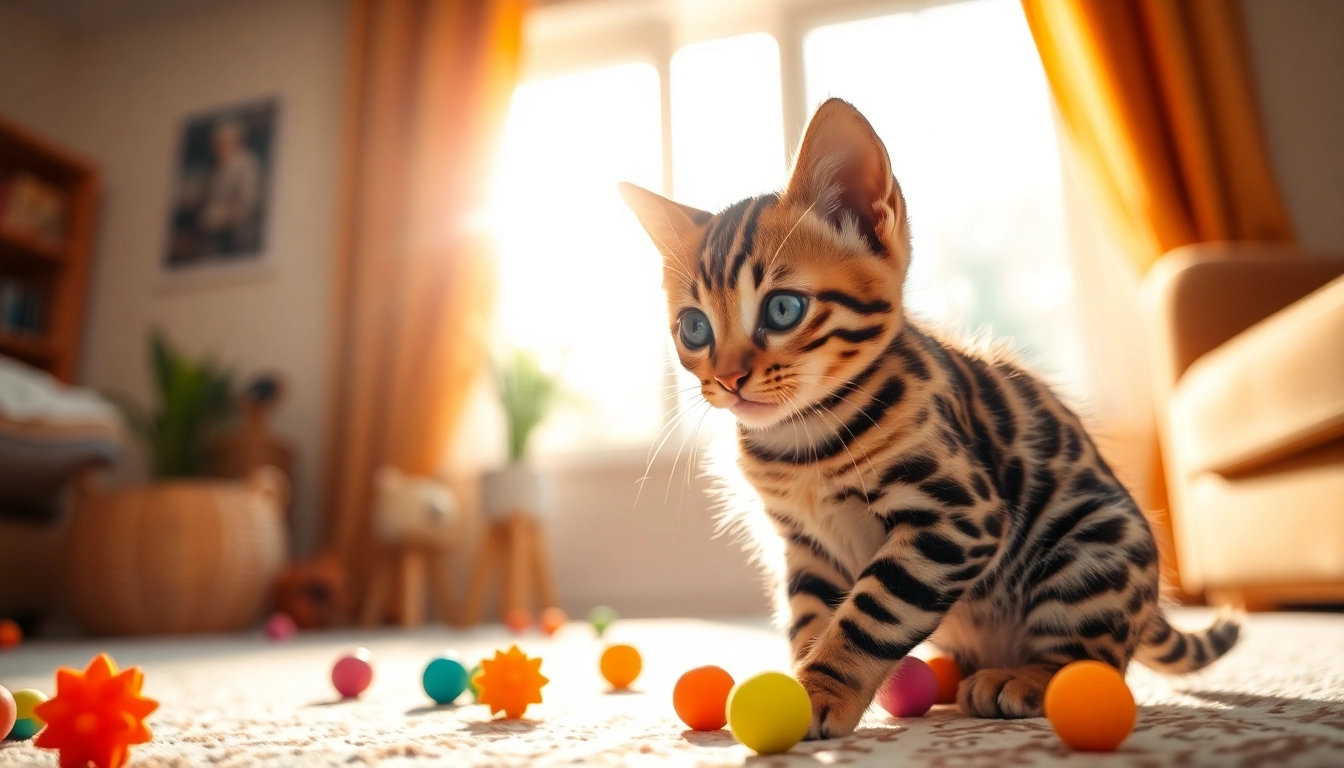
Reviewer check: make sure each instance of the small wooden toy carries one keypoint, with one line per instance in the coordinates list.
(910, 690)
(96, 715)
(444, 679)
(948, 673)
(510, 682)
(10, 634)
(418, 523)
(601, 617)
(353, 673)
(518, 620)
(701, 698)
(8, 712)
(621, 665)
(769, 712)
(26, 721)
(552, 619)
(280, 627)
(1090, 707)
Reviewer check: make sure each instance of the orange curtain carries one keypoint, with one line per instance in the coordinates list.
(430, 83)
(1158, 96)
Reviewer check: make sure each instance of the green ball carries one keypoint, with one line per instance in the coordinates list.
(444, 679)
(24, 728)
(601, 617)
(471, 682)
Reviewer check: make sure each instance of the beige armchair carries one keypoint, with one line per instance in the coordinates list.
(1247, 350)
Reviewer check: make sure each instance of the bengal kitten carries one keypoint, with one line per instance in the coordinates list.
(922, 491)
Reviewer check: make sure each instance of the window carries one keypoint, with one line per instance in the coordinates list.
(958, 95)
(956, 91)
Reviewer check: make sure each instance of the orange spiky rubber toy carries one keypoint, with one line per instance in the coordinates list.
(510, 682)
(96, 715)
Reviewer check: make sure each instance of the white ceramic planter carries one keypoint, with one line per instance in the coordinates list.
(515, 488)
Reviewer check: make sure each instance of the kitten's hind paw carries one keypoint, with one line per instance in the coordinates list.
(1005, 693)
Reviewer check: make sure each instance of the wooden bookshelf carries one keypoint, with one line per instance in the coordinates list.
(56, 269)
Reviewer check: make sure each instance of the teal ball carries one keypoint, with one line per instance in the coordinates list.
(24, 728)
(445, 679)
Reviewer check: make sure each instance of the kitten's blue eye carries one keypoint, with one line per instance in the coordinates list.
(695, 330)
(783, 310)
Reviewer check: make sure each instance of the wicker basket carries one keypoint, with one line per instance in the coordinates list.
(174, 557)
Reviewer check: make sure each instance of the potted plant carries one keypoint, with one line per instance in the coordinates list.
(183, 553)
(527, 392)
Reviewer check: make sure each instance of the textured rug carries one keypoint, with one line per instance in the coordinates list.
(1276, 700)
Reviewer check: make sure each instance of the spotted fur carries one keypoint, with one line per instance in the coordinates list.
(922, 491)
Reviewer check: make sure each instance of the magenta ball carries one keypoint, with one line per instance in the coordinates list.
(352, 673)
(280, 627)
(910, 690)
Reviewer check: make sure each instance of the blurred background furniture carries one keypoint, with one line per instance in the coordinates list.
(48, 203)
(49, 433)
(1247, 349)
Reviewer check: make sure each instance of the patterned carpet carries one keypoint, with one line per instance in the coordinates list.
(1277, 700)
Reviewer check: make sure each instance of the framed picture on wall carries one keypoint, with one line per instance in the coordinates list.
(221, 193)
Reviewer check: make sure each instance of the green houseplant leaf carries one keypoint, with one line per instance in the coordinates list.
(527, 392)
(194, 398)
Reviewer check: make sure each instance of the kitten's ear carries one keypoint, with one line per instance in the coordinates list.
(843, 172)
(675, 228)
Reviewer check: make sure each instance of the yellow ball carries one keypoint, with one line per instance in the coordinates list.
(621, 665)
(769, 712)
(24, 701)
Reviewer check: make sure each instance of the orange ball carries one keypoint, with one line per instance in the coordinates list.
(552, 619)
(701, 698)
(620, 665)
(518, 620)
(949, 677)
(10, 634)
(1090, 707)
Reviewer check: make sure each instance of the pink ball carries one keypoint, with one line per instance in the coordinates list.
(910, 690)
(280, 627)
(352, 673)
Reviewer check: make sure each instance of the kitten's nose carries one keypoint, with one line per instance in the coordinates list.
(732, 381)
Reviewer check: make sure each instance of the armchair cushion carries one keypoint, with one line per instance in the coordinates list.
(1271, 391)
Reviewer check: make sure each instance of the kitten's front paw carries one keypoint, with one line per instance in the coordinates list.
(1002, 693)
(835, 710)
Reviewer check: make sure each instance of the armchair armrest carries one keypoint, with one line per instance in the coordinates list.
(1199, 296)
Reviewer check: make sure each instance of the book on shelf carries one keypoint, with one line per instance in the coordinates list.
(22, 307)
(32, 208)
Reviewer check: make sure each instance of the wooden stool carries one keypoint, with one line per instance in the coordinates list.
(405, 570)
(512, 547)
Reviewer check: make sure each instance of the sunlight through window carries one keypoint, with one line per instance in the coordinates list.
(959, 97)
(579, 280)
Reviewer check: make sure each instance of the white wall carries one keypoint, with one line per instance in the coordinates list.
(1297, 55)
(118, 93)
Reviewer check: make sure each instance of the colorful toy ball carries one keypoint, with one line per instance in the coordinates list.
(601, 617)
(96, 716)
(510, 682)
(10, 634)
(280, 627)
(1090, 707)
(8, 712)
(518, 620)
(910, 690)
(444, 679)
(701, 698)
(353, 673)
(26, 722)
(948, 673)
(552, 619)
(621, 665)
(472, 686)
(769, 712)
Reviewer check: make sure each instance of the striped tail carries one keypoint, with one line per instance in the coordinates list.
(1167, 649)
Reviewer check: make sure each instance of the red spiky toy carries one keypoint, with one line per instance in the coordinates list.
(96, 715)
